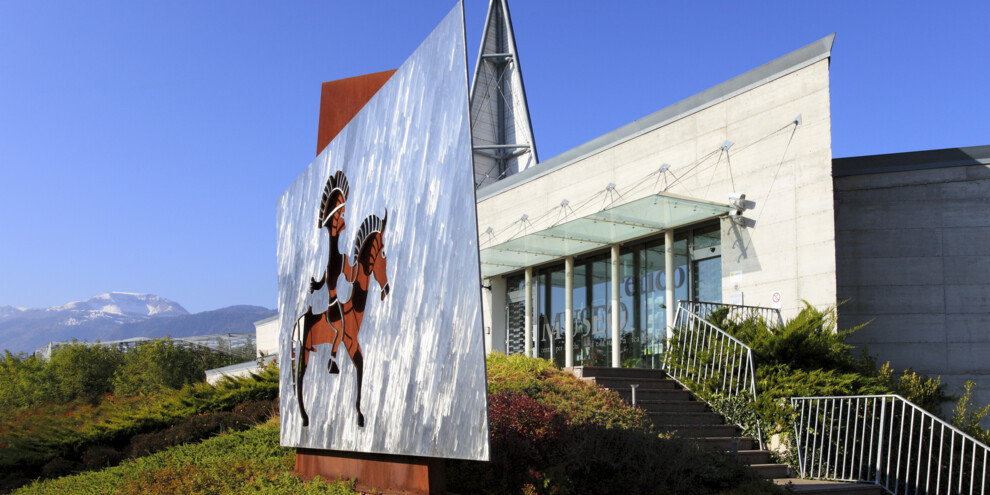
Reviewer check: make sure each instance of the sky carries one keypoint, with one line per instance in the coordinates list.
(143, 145)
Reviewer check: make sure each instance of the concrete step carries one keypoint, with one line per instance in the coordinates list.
(725, 444)
(625, 384)
(661, 419)
(819, 487)
(750, 457)
(656, 395)
(701, 431)
(672, 406)
(770, 471)
(598, 371)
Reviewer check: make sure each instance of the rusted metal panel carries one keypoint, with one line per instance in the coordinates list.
(399, 474)
(342, 99)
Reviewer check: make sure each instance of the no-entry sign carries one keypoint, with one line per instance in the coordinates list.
(775, 298)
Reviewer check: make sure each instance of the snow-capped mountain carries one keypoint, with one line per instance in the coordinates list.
(8, 311)
(117, 315)
(122, 307)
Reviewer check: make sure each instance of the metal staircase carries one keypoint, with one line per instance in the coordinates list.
(674, 409)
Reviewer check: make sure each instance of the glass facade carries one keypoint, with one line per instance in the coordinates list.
(642, 299)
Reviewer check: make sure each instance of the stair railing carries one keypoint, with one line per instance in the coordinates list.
(705, 356)
(736, 312)
(888, 441)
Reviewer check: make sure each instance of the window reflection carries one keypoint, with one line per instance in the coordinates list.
(642, 299)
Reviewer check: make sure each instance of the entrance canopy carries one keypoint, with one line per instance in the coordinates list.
(642, 217)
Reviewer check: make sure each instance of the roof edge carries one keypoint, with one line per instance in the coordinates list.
(775, 69)
(911, 160)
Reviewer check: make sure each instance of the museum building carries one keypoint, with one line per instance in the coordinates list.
(729, 196)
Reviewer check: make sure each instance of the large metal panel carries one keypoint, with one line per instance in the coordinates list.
(407, 155)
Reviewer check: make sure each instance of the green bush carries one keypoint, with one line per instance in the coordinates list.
(804, 357)
(80, 371)
(84, 372)
(25, 381)
(55, 451)
(164, 364)
(250, 461)
(967, 419)
(554, 433)
(581, 401)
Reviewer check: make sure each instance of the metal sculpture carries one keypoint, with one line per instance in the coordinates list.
(421, 362)
(341, 322)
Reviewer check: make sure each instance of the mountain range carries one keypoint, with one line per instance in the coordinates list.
(117, 316)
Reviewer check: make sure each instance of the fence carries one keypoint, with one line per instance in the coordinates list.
(701, 354)
(736, 312)
(888, 441)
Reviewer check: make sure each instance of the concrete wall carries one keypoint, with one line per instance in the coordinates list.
(913, 256)
(266, 340)
(786, 240)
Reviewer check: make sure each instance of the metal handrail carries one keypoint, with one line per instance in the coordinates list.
(888, 441)
(709, 356)
(737, 312)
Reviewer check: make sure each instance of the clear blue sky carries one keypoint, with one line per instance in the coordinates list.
(143, 145)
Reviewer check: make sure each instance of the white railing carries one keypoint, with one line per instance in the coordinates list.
(888, 441)
(705, 356)
(735, 312)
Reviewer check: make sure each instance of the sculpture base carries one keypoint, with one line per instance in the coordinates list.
(398, 474)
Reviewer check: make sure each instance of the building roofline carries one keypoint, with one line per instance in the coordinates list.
(266, 320)
(794, 61)
(911, 160)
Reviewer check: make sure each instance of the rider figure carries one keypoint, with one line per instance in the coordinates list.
(332, 218)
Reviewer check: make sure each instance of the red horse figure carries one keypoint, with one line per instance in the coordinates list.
(342, 320)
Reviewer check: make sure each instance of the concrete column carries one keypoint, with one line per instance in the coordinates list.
(668, 263)
(569, 311)
(528, 320)
(616, 357)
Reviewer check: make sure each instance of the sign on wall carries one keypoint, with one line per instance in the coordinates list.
(379, 281)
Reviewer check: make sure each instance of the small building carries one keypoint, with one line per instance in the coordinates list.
(266, 336)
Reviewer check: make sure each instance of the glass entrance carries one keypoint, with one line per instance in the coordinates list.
(642, 299)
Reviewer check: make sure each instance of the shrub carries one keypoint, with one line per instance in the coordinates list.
(25, 381)
(100, 456)
(581, 401)
(190, 430)
(554, 433)
(244, 462)
(806, 357)
(58, 466)
(969, 420)
(41, 442)
(163, 364)
(83, 371)
(257, 411)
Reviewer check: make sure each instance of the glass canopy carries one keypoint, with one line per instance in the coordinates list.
(632, 220)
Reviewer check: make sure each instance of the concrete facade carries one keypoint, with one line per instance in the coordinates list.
(266, 340)
(902, 238)
(777, 118)
(913, 260)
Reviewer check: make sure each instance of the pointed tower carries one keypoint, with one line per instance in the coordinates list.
(500, 126)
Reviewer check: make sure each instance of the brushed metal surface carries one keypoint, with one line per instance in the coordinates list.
(408, 151)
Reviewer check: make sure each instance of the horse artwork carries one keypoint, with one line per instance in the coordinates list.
(341, 322)
(367, 369)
